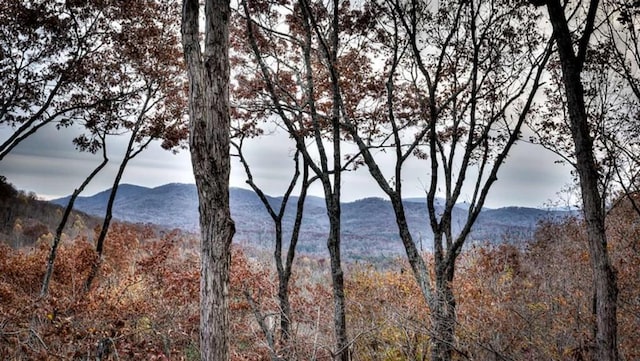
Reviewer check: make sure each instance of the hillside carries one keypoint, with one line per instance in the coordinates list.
(366, 222)
(24, 218)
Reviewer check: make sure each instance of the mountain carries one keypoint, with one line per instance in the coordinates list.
(368, 225)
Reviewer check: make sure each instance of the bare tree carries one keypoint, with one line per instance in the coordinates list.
(284, 267)
(208, 70)
(459, 101)
(573, 56)
(612, 103)
(619, 40)
(470, 83)
(291, 70)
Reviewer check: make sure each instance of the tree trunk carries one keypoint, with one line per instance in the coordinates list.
(604, 275)
(443, 314)
(209, 141)
(417, 263)
(284, 269)
(333, 205)
(95, 267)
(322, 171)
(129, 154)
(337, 277)
(63, 222)
(284, 273)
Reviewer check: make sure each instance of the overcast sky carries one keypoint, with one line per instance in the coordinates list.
(48, 165)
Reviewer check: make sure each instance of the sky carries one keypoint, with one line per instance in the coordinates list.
(48, 164)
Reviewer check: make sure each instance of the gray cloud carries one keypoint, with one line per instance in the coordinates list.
(48, 164)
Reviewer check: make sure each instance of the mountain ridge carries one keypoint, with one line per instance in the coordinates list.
(365, 222)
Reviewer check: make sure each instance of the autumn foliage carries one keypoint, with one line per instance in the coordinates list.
(515, 302)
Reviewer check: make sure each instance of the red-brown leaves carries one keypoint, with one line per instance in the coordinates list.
(101, 63)
(516, 302)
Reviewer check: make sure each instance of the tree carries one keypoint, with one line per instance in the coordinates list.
(482, 78)
(459, 83)
(612, 103)
(288, 78)
(622, 32)
(155, 109)
(56, 61)
(620, 41)
(67, 211)
(573, 56)
(284, 267)
(208, 72)
(147, 80)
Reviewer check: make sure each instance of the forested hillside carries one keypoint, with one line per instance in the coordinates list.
(24, 218)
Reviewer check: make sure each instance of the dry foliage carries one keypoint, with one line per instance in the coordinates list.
(530, 303)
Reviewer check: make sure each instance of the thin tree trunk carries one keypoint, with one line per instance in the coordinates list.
(321, 170)
(63, 222)
(284, 269)
(264, 325)
(418, 265)
(334, 207)
(604, 275)
(443, 312)
(337, 277)
(209, 141)
(332, 191)
(129, 154)
(284, 272)
(438, 293)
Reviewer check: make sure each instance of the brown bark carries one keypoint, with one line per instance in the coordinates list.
(333, 196)
(604, 275)
(285, 271)
(332, 190)
(321, 170)
(443, 319)
(208, 73)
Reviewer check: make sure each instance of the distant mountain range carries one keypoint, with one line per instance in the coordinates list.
(368, 225)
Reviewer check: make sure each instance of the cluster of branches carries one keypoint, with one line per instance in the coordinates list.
(101, 69)
(611, 86)
(453, 84)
